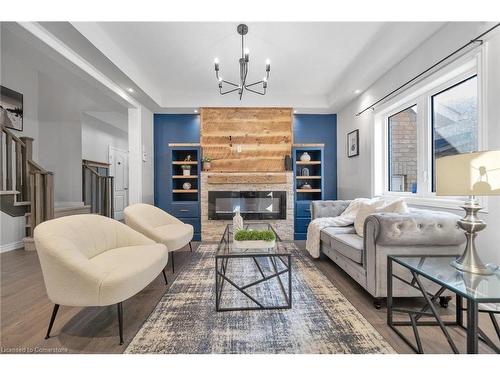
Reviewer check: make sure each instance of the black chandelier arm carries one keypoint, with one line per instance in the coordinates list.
(227, 92)
(253, 84)
(230, 83)
(256, 92)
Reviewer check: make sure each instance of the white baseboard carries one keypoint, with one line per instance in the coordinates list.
(11, 246)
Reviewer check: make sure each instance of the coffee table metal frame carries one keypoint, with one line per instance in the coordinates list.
(274, 256)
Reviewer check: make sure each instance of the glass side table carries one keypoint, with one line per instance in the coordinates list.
(477, 290)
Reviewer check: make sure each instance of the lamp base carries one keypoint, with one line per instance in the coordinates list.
(469, 261)
(479, 270)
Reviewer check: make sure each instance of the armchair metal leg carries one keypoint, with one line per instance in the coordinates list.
(164, 276)
(190, 247)
(120, 321)
(173, 267)
(52, 318)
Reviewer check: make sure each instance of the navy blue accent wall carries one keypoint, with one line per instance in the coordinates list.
(170, 129)
(320, 129)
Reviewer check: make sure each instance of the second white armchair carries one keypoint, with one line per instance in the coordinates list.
(160, 226)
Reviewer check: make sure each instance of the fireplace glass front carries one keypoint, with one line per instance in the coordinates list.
(253, 205)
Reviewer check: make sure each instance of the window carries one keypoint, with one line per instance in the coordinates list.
(436, 118)
(403, 150)
(454, 121)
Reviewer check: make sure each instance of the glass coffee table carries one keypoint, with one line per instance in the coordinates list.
(252, 279)
(481, 293)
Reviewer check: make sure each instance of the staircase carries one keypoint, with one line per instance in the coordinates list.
(26, 189)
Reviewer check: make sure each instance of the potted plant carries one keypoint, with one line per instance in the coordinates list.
(206, 163)
(186, 169)
(254, 239)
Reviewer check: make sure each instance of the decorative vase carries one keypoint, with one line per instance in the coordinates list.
(207, 165)
(305, 172)
(186, 172)
(237, 221)
(305, 157)
(186, 186)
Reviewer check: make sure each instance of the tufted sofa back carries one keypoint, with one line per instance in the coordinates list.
(419, 227)
(328, 208)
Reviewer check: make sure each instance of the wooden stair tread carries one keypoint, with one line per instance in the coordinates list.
(22, 203)
(8, 192)
(70, 208)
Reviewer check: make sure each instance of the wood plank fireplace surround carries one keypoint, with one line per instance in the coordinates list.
(248, 148)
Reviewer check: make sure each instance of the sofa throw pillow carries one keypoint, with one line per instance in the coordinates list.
(398, 206)
(365, 209)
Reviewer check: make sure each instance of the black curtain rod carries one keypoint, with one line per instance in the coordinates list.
(475, 40)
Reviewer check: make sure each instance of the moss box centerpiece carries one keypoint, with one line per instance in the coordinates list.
(254, 239)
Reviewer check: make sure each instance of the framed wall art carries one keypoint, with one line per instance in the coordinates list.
(353, 143)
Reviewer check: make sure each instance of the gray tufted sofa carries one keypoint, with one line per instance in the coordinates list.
(420, 232)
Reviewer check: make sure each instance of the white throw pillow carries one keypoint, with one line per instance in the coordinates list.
(366, 209)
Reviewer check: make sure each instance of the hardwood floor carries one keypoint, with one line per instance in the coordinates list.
(25, 312)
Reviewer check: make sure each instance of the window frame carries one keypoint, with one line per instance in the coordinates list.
(468, 76)
(421, 95)
(387, 136)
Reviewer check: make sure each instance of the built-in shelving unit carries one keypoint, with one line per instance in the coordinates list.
(308, 177)
(186, 202)
(185, 156)
(308, 180)
(184, 191)
(312, 162)
(182, 177)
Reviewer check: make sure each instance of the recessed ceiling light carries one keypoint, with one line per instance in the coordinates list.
(195, 111)
(130, 89)
(357, 91)
(295, 111)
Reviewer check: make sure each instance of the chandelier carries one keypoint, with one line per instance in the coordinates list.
(259, 87)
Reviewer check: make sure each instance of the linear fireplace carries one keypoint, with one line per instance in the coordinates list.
(253, 205)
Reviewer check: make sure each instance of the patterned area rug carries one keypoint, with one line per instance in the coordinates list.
(321, 320)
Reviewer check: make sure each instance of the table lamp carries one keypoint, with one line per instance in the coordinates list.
(473, 174)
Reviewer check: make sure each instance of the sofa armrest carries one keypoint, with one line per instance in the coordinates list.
(417, 228)
(327, 208)
(413, 234)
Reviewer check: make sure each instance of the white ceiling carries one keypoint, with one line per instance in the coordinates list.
(314, 66)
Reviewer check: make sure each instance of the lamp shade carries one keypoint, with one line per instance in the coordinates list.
(476, 173)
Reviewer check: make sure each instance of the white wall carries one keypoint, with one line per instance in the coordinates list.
(148, 164)
(140, 136)
(354, 174)
(98, 136)
(60, 138)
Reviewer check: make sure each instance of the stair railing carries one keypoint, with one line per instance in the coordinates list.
(19, 172)
(42, 194)
(98, 191)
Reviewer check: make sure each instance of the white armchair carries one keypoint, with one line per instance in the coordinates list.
(160, 226)
(92, 260)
